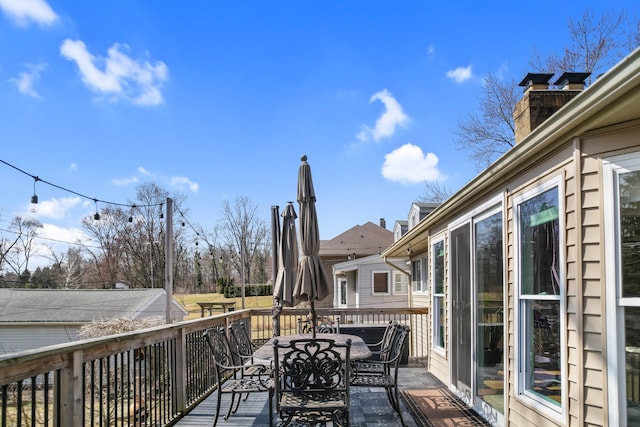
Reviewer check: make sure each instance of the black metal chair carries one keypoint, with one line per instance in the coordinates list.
(230, 377)
(242, 347)
(379, 351)
(324, 325)
(312, 380)
(388, 377)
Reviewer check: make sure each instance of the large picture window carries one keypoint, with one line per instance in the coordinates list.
(622, 216)
(540, 294)
(439, 319)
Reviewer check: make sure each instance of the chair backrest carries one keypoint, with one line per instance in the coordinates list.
(223, 358)
(306, 365)
(241, 344)
(398, 341)
(324, 325)
(387, 339)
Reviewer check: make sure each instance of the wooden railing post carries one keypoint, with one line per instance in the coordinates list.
(181, 370)
(69, 393)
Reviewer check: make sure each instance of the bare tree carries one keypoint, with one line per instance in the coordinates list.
(245, 232)
(435, 192)
(490, 133)
(22, 249)
(595, 45)
(108, 231)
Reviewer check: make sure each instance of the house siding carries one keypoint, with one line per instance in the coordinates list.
(16, 338)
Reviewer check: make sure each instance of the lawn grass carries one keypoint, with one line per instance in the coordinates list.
(190, 302)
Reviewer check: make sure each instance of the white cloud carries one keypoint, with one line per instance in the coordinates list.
(56, 208)
(386, 124)
(118, 75)
(408, 164)
(24, 11)
(143, 171)
(125, 181)
(181, 182)
(26, 79)
(460, 74)
(73, 167)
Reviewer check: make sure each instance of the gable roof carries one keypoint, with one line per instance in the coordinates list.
(367, 239)
(76, 305)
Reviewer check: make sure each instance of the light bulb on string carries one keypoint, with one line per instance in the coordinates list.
(34, 198)
(96, 217)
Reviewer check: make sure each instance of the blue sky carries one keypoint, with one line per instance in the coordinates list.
(220, 99)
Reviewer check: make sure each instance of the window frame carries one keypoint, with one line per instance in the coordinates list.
(343, 293)
(523, 393)
(438, 300)
(615, 302)
(373, 282)
(417, 283)
(406, 281)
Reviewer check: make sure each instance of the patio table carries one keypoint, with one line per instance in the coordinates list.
(359, 349)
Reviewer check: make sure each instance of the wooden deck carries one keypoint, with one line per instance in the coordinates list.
(369, 407)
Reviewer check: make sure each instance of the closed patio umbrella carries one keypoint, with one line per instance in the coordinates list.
(287, 265)
(312, 283)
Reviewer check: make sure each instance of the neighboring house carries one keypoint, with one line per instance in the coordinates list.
(399, 229)
(370, 282)
(33, 318)
(357, 242)
(533, 284)
(418, 211)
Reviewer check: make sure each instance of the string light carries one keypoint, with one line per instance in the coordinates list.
(84, 196)
(34, 198)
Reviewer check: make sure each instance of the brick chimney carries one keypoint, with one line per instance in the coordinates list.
(383, 223)
(539, 102)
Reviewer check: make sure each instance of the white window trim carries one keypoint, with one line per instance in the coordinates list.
(346, 296)
(434, 295)
(614, 316)
(558, 413)
(393, 283)
(389, 282)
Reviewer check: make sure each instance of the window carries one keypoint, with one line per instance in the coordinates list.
(342, 286)
(416, 275)
(400, 283)
(540, 294)
(380, 282)
(439, 320)
(622, 217)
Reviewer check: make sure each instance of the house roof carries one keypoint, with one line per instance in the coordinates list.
(74, 305)
(367, 239)
(613, 98)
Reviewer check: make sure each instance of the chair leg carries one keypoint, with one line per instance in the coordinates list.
(270, 408)
(215, 421)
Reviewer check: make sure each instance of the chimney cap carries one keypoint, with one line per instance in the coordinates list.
(571, 78)
(535, 79)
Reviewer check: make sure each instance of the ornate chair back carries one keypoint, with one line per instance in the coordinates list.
(312, 380)
(241, 343)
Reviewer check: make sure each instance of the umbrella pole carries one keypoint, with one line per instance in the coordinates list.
(313, 319)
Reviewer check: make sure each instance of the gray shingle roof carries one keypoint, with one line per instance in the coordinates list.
(74, 305)
(367, 239)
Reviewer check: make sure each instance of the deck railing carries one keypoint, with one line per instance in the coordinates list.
(144, 378)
